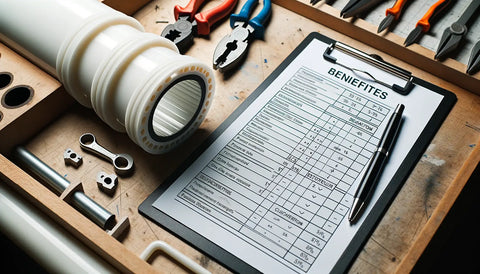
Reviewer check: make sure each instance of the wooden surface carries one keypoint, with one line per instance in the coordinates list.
(20, 123)
(73, 221)
(395, 235)
(440, 211)
(387, 42)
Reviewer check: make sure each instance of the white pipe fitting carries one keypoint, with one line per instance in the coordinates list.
(173, 253)
(135, 81)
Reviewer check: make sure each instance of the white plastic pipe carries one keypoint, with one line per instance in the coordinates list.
(44, 240)
(135, 81)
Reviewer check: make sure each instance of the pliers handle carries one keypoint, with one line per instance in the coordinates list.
(396, 10)
(232, 49)
(207, 18)
(435, 9)
(257, 22)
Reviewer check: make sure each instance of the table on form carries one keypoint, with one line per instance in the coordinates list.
(285, 180)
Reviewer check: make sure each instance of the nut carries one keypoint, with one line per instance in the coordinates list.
(107, 182)
(72, 158)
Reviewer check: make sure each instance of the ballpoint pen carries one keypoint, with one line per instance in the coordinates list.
(376, 164)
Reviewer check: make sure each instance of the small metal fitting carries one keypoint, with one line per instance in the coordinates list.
(107, 182)
(72, 158)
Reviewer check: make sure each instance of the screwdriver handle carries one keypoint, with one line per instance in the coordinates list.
(396, 10)
(435, 9)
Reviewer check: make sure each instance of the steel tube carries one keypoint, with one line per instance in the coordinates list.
(58, 184)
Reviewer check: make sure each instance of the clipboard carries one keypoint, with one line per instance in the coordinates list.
(206, 201)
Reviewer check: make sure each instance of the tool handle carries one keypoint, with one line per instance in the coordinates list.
(258, 21)
(396, 10)
(190, 9)
(210, 17)
(244, 13)
(435, 9)
(469, 12)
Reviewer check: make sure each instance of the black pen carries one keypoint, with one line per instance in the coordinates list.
(376, 164)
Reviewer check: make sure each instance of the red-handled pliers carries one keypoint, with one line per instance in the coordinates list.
(189, 23)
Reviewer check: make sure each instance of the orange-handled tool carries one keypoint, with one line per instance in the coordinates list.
(392, 14)
(189, 10)
(189, 23)
(396, 10)
(207, 18)
(432, 11)
(423, 25)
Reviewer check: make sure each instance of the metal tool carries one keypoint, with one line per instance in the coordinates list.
(188, 24)
(232, 49)
(456, 32)
(123, 163)
(474, 60)
(314, 2)
(107, 182)
(391, 14)
(375, 61)
(356, 7)
(72, 158)
(59, 184)
(423, 25)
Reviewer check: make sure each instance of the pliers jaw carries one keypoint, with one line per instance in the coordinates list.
(474, 60)
(181, 32)
(356, 7)
(189, 24)
(450, 39)
(232, 49)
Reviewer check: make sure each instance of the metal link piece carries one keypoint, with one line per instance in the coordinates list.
(107, 182)
(123, 163)
(72, 158)
(58, 184)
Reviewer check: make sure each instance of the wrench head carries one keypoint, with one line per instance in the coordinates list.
(123, 164)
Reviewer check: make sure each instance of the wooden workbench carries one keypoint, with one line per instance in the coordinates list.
(396, 243)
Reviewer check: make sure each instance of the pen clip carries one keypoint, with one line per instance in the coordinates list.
(374, 61)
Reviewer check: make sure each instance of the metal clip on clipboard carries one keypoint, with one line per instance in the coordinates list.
(375, 61)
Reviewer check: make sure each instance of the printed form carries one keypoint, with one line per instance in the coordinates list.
(275, 188)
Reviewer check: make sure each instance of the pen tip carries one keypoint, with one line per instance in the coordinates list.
(357, 207)
(400, 108)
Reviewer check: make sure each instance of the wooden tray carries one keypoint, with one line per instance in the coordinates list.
(390, 43)
(52, 122)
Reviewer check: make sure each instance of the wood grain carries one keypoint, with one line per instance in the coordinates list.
(389, 42)
(405, 222)
(17, 124)
(440, 212)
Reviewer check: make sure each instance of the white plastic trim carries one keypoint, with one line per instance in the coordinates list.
(135, 81)
(175, 254)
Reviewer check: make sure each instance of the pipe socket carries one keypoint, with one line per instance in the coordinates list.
(136, 82)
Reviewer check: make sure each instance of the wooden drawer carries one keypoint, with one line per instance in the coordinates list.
(52, 122)
(389, 43)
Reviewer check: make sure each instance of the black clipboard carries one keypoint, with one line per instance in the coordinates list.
(373, 217)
